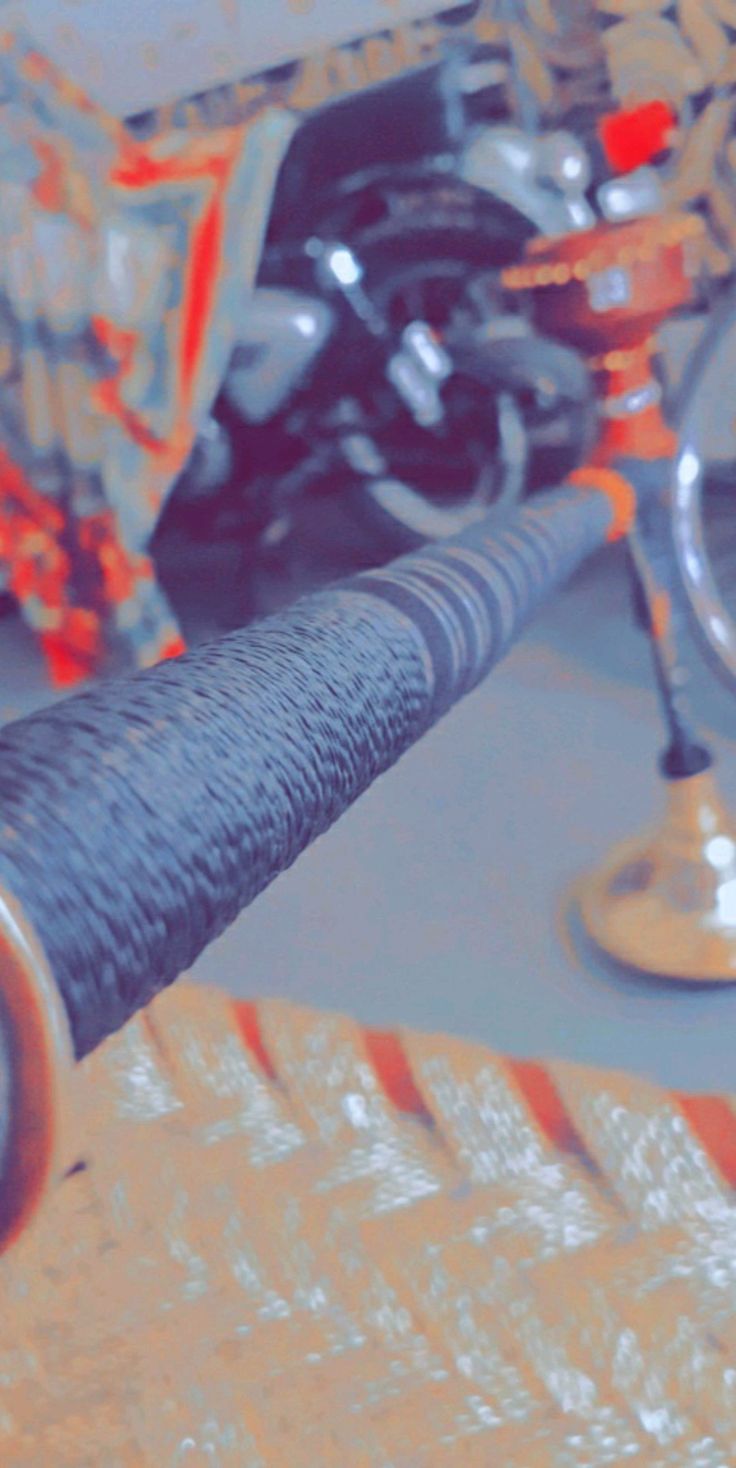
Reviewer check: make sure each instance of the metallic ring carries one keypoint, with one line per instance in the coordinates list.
(636, 400)
(36, 1069)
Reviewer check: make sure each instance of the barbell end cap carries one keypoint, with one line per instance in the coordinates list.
(36, 1071)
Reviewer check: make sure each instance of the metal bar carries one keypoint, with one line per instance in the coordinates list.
(142, 816)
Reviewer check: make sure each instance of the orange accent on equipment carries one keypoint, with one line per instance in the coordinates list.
(174, 649)
(204, 273)
(618, 490)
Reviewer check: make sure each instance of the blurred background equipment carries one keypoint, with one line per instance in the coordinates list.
(369, 181)
(254, 327)
(407, 392)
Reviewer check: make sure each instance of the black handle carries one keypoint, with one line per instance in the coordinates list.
(139, 818)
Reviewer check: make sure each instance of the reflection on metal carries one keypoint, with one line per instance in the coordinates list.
(283, 333)
(415, 512)
(706, 438)
(362, 454)
(423, 343)
(480, 75)
(417, 372)
(665, 903)
(609, 290)
(37, 1063)
(433, 521)
(632, 195)
(544, 178)
(6, 1090)
(339, 269)
(563, 162)
(211, 463)
(416, 389)
(626, 404)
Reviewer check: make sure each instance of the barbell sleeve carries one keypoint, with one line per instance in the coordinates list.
(139, 818)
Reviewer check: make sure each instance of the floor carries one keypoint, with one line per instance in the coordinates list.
(438, 901)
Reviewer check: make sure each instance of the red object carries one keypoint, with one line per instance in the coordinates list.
(545, 1103)
(388, 1058)
(618, 490)
(607, 291)
(74, 650)
(248, 1023)
(630, 139)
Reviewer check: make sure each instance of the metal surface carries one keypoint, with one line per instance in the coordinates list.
(36, 1062)
(283, 333)
(706, 439)
(712, 619)
(545, 179)
(665, 903)
(145, 55)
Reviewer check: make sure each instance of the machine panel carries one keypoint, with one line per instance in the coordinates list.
(142, 55)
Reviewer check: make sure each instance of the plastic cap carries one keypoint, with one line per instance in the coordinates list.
(632, 138)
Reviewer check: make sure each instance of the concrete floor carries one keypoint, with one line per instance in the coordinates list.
(437, 901)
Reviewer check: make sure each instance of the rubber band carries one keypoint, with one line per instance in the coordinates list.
(618, 490)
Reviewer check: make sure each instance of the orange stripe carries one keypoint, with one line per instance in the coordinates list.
(204, 274)
(388, 1058)
(619, 492)
(175, 648)
(249, 1026)
(714, 1124)
(661, 614)
(545, 1103)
